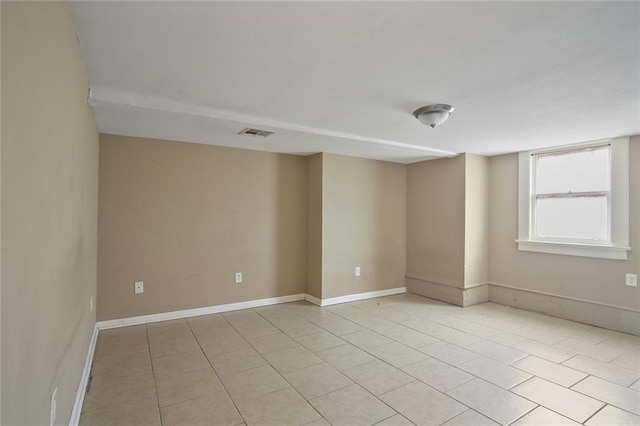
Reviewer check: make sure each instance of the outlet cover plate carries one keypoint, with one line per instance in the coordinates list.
(632, 280)
(139, 287)
(238, 277)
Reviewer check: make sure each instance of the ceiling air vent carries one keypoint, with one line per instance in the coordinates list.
(256, 133)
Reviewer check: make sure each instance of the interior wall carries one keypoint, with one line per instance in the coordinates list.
(476, 221)
(436, 221)
(364, 224)
(49, 212)
(314, 225)
(184, 218)
(597, 280)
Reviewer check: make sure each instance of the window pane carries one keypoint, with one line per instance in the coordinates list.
(582, 218)
(582, 171)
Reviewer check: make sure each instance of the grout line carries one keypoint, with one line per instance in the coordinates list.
(153, 373)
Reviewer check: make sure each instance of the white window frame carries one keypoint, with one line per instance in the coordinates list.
(618, 245)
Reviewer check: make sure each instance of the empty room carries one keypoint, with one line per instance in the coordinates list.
(319, 213)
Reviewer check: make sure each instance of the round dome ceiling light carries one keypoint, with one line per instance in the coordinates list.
(433, 115)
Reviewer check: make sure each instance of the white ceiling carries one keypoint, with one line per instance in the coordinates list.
(345, 77)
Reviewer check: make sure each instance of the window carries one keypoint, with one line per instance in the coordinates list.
(574, 200)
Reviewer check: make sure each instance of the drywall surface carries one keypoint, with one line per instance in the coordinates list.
(476, 219)
(364, 225)
(596, 280)
(49, 212)
(436, 221)
(184, 218)
(314, 225)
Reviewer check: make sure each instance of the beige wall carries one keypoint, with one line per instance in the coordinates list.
(436, 221)
(476, 220)
(49, 212)
(596, 280)
(314, 225)
(183, 218)
(364, 224)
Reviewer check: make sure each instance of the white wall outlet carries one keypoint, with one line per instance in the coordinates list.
(357, 271)
(54, 406)
(632, 280)
(91, 304)
(139, 287)
(238, 277)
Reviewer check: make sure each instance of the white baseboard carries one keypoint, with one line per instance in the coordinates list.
(187, 313)
(84, 379)
(355, 297)
(313, 299)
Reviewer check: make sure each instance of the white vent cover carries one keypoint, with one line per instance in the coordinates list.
(256, 133)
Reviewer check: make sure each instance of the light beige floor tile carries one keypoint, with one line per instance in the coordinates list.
(544, 417)
(345, 356)
(320, 341)
(212, 409)
(179, 363)
(539, 336)
(406, 336)
(378, 377)
(128, 413)
(611, 393)
(602, 352)
(604, 370)
(448, 353)
(397, 354)
(341, 327)
(173, 329)
(320, 422)
(564, 401)
(550, 353)
(456, 337)
(437, 374)
(636, 386)
(118, 367)
(498, 336)
(317, 380)
(550, 371)
(218, 345)
(170, 345)
(186, 386)
(395, 420)
(497, 352)
(232, 362)
(628, 360)
(422, 404)
(299, 328)
(282, 407)
(492, 401)
(292, 359)
(272, 343)
(470, 418)
(242, 317)
(253, 383)
(494, 372)
(116, 390)
(351, 406)
(206, 320)
(258, 329)
(613, 416)
(366, 339)
(116, 345)
(166, 323)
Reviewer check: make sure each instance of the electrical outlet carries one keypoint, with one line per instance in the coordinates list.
(54, 406)
(238, 277)
(91, 304)
(632, 280)
(139, 287)
(357, 271)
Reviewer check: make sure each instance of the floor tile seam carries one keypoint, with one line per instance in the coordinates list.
(608, 381)
(155, 385)
(557, 412)
(218, 375)
(600, 400)
(174, 353)
(387, 418)
(473, 376)
(549, 380)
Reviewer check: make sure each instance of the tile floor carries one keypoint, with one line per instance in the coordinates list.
(397, 360)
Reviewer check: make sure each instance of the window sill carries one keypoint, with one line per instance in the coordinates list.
(574, 249)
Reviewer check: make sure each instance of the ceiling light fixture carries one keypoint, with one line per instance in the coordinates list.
(433, 115)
